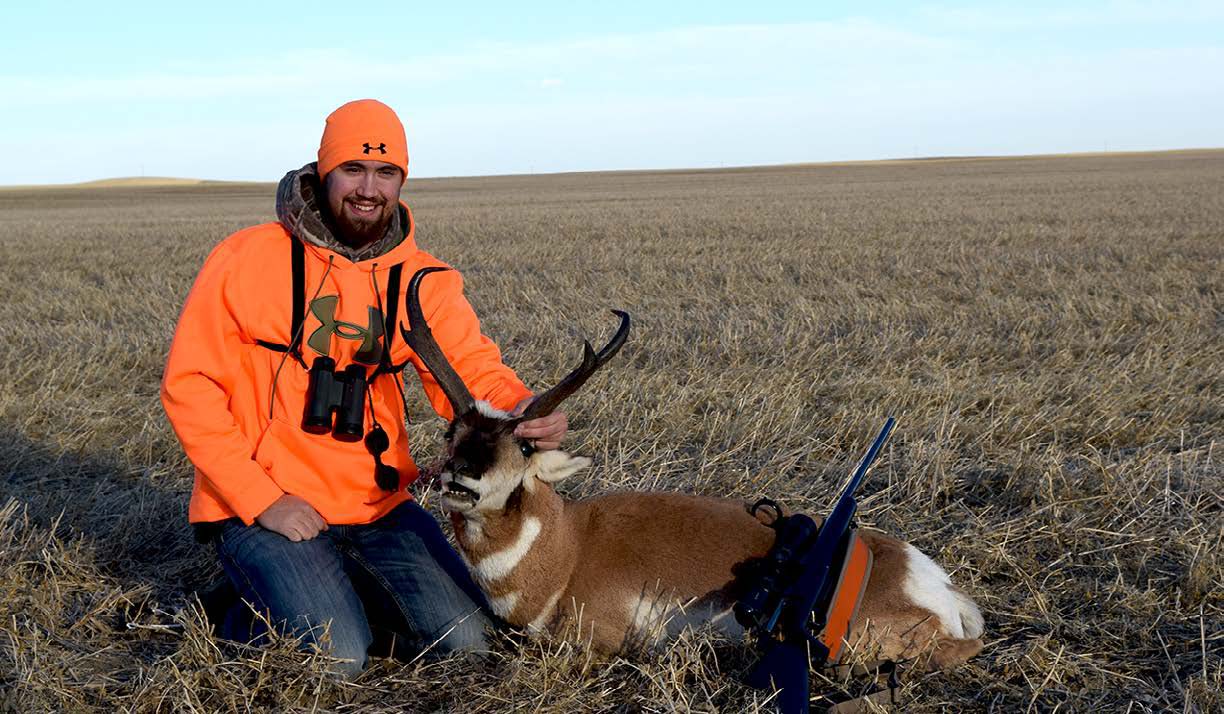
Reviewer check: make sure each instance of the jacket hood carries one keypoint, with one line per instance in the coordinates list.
(298, 209)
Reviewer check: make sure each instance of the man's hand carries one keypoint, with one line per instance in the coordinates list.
(292, 517)
(546, 432)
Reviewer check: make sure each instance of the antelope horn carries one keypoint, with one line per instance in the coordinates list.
(421, 340)
(547, 402)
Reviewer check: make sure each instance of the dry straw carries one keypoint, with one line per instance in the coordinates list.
(1049, 331)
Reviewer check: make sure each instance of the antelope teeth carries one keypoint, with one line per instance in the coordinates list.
(457, 490)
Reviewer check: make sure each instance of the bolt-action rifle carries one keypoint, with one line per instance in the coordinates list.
(788, 608)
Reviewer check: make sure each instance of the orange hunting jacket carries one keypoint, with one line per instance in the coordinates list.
(218, 382)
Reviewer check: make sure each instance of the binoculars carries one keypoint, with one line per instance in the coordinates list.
(342, 393)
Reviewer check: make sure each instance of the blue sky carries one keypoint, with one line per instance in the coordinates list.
(228, 90)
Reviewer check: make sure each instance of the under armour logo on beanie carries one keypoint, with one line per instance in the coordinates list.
(346, 137)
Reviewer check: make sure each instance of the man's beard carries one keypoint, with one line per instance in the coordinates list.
(357, 233)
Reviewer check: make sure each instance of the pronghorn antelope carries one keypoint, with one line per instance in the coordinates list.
(634, 567)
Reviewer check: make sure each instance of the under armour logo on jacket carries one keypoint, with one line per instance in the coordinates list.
(381, 148)
(324, 309)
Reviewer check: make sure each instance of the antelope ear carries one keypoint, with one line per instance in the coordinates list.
(552, 466)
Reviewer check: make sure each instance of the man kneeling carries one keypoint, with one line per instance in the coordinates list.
(285, 386)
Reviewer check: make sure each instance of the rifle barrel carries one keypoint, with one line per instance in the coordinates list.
(865, 464)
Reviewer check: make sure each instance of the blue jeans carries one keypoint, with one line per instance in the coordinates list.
(398, 573)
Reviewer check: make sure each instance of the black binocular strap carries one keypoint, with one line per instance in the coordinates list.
(297, 260)
(385, 365)
(297, 255)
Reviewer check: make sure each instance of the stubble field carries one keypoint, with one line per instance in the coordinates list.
(1049, 332)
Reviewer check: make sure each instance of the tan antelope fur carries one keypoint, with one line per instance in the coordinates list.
(637, 567)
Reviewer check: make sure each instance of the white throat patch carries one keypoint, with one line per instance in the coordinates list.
(500, 564)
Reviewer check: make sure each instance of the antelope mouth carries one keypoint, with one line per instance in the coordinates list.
(459, 492)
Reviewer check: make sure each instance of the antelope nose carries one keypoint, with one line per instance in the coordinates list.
(460, 467)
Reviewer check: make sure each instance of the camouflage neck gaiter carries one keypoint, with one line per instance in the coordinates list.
(297, 208)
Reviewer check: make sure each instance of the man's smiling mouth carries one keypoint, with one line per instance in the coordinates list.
(363, 208)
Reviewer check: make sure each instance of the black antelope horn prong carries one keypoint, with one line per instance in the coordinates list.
(547, 402)
(421, 340)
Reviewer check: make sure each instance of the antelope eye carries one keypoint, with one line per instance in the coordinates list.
(526, 448)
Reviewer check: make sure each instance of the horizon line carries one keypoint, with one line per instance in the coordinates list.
(170, 181)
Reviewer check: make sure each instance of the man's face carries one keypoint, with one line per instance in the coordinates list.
(363, 196)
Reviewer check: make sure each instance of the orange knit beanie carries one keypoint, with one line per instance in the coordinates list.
(364, 130)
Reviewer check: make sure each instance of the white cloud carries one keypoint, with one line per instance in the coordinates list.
(1062, 16)
(690, 53)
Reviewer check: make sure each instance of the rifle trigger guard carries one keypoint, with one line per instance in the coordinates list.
(771, 505)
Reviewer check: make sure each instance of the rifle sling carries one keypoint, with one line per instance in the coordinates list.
(883, 690)
(853, 569)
